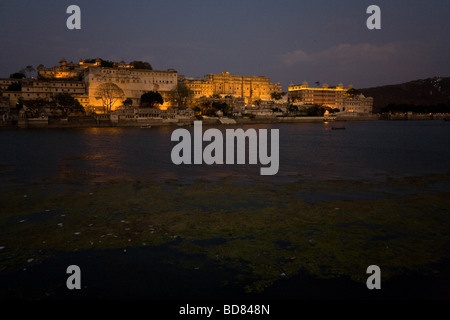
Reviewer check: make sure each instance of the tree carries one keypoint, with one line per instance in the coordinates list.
(17, 75)
(222, 106)
(19, 104)
(34, 106)
(292, 108)
(106, 64)
(128, 102)
(28, 71)
(198, 113)
(66, 104)
(197, 110)
(141, 65)
(15, 86)
(353, 92)
(151, 99)
(315, 111)
(110, 93)
(181, 94)
(276, 95)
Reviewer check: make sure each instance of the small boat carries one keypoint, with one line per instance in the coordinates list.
(146, 127)
(337, 128)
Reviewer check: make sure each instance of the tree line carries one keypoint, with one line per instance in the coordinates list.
(62, 103)
(404, 107)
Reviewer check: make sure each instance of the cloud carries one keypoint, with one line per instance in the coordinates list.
(295, 57)
(362, 64)
(82, 51)
(344, 54)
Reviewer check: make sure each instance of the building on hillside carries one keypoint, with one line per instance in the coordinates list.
(200, 88)
(65, 70)
(70, 70)
(333, 97)
(328, 96)
(83, 79)
(358, 104)
(251, 88)
(32, 89)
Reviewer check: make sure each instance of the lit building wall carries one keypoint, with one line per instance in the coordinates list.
(65, 70)
(43, 89)
(5, 83)
(334, 97)
(251, 88)
(83, 100)
(13, 97)
(358, 104)
(200, 88)
(331, 97)
(35, 89)
(133, 82)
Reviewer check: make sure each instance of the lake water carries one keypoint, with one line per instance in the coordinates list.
(365, 150)
(111, 201)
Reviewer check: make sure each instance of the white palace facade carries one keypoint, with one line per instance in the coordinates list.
(133, 82)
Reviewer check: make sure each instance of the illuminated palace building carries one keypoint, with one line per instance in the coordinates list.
(45, 89)
(251, 88)
(335, 97)
(133, 82)
(81, 80)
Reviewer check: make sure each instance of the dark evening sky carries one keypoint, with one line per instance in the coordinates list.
(288, 41)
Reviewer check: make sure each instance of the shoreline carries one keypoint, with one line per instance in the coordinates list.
(77, 122)
(91, 122)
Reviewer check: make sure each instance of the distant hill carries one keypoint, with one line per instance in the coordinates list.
(424, 92)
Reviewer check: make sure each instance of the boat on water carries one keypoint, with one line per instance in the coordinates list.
(146, 126)
(337, 128)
